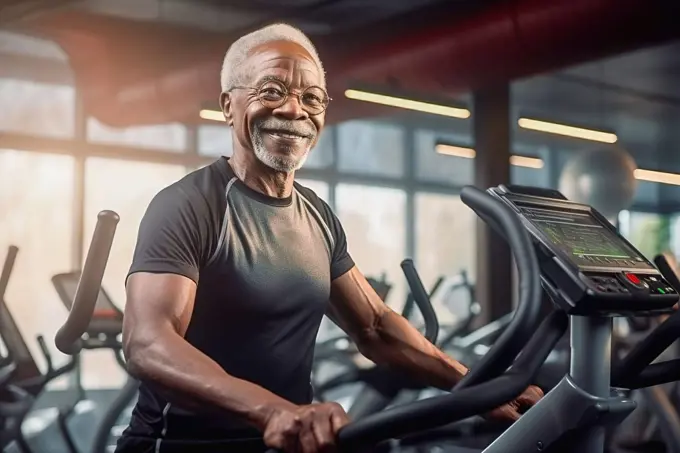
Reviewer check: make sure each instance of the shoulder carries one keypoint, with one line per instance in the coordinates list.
(201, 191)
(311, 197)
(322, 208)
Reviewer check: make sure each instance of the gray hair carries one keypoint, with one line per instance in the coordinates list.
(241, 48)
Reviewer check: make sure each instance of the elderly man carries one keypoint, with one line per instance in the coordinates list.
(234, 268)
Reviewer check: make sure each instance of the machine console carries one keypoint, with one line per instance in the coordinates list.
(587, 267)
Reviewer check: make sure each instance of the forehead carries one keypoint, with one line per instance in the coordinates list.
(285, 60)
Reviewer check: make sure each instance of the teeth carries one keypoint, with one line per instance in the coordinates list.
(282, 134)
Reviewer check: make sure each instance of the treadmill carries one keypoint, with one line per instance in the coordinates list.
(590, 272)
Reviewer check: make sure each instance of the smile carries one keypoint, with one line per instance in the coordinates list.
(287, 135)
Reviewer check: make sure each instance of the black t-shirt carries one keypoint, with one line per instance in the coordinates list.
(263, 268)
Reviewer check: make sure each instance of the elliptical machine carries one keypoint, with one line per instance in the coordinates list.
(590, 272)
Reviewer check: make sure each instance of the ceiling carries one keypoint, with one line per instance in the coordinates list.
(145, 49)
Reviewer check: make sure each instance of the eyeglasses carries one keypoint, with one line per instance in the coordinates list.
(272, 94)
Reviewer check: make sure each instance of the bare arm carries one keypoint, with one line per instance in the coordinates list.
(157, 314)
(386, 337)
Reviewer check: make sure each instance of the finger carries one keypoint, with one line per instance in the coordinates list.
(308, 441)
(537, 391)
(324, 433)
(291, 437)
(282, 441)
(513, 415)
(530, 397)
(338, 420)
(510, 413)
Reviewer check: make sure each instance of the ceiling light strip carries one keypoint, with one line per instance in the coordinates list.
(469, 153)
(409, 104)
(570, 131)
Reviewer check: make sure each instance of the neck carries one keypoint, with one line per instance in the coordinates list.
(261, 178)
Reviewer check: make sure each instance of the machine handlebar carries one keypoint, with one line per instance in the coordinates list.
(636, 369)
(422, 300)
(7, 267)
(68, 338)
(527, 315)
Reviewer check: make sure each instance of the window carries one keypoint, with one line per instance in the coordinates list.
(215, 141)
(37, 108)
(37, 196)
(445, 241)
(374, 219)
(127, 188)
(371, 148)
(165, 137)
(649, 233)
(27, 45)
(321, 155)
(675, 235)
(440, 168)
(529, 175)
(319, 187)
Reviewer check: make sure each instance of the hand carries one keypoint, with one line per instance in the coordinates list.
(305, 429)
(513, 410)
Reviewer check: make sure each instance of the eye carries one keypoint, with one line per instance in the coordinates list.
(272, 92)
(314, 97)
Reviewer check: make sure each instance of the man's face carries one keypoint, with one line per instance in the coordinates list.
(281, 137)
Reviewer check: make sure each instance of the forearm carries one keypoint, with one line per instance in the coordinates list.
(193, 380)
(397, 344)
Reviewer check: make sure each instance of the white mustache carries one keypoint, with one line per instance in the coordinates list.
(286, 127)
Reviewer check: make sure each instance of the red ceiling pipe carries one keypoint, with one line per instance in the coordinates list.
(514, 39)
(137, 72)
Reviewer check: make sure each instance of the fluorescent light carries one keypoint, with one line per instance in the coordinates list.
(408, 104)
(456, 151)
(570, 131)
(657, 176)
(469, 153)
(214, 115)
(524, 161)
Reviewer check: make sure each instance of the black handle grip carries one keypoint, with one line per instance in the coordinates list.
(667, 270)
(422, 300)
(527, 315)
(67, 338)
(7, 267)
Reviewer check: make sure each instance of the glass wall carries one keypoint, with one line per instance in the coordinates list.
(166, 137)
(374, 219)
(36, 199)
(126, 188)
(650, 233)
(37, 108)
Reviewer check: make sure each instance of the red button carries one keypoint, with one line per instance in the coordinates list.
(633, 279)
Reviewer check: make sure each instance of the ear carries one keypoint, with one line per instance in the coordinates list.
(225, 104)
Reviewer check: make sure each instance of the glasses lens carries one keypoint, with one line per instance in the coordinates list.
(315, 100)
(273, 94)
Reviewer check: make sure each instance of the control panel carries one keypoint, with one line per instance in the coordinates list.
(587, 267)
(627, 283)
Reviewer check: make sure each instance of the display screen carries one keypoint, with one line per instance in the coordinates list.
(584, 239)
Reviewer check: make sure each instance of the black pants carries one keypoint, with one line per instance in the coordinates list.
(130, 444)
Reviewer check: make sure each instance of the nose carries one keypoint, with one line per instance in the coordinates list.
(291, 109)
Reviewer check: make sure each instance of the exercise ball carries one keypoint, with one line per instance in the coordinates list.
(602, 178)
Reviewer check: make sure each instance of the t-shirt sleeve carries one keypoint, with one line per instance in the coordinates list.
(175, 235)
(341, 261)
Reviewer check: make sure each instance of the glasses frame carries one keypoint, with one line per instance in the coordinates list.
(287, 93)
